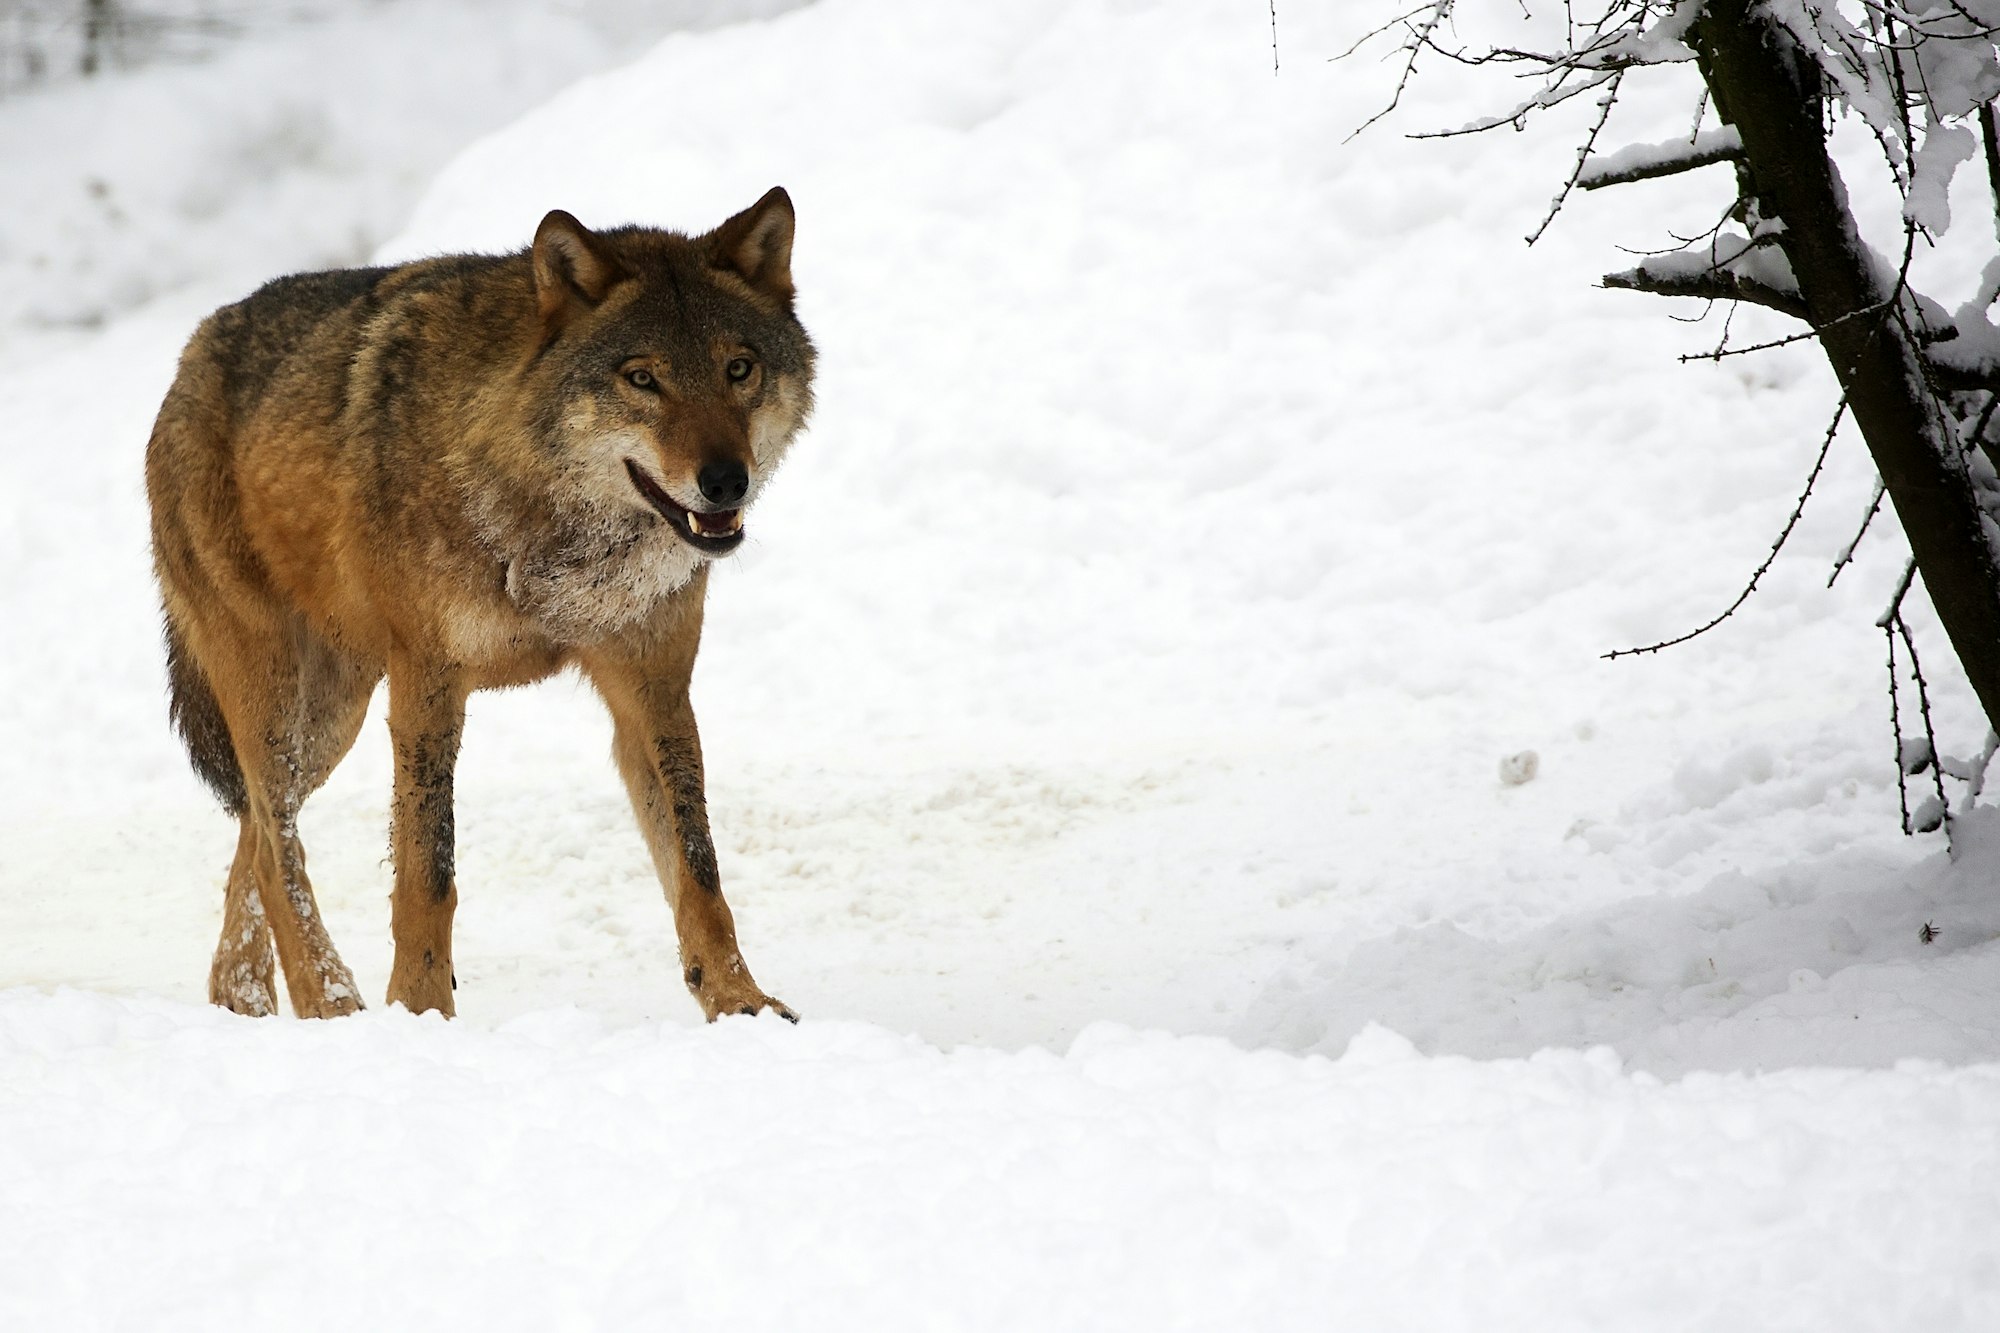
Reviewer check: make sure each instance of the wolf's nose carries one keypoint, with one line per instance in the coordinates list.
(723, 483)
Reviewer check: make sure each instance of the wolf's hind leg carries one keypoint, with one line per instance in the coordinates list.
(318, 981)
(243, 976)
(288, 714)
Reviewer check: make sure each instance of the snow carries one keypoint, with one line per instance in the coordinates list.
(1658, 159)
(1109, 731)
(556, 1173)
(293, 151)
(1758, 262)
(1944, 150)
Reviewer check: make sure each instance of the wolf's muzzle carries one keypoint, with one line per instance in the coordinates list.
(715, 533)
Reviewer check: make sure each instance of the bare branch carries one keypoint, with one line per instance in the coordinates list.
(1846, 556)
(1894, 627)
(1420, 37)
(1802, 336)
(1896, 712)
(1604, 106)
(1369, 36)
(1901, 627)
(1719, 353)
(1818, 463)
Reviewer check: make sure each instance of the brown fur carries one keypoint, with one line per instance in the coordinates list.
(463, 473)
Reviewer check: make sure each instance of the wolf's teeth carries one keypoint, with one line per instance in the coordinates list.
(717, 525)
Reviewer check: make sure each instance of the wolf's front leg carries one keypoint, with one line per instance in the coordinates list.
(426, 716)
(663, 773)
(659, 756)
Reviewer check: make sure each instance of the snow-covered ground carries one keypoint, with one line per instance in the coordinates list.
(1104, 730)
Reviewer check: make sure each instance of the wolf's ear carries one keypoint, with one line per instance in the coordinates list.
(571, 266)
(756, 244)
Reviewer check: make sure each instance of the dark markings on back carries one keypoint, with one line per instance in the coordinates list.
(391, 369)
(257, 333)
(395, 369)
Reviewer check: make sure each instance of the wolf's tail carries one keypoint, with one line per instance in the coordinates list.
(198, 717)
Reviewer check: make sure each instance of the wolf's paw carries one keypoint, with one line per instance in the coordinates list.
(337, 1006)
(771, 1002)
(422, 984)
(733, 993)
(242, 988)
(244, 976)
(334, 997)
(748, 1006)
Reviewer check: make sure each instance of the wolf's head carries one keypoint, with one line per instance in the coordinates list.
(675, 372)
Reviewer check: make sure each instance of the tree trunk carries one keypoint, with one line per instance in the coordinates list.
(1767, 88)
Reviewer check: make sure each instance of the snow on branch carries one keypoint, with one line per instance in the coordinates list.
(1583, 154)
(1970, 359)
(1557, 92)
(1922, 79)
(1645, 161)
(1733, 268)
(1936, 57)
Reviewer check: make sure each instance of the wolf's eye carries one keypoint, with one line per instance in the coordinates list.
(641, 379)
(738, 369)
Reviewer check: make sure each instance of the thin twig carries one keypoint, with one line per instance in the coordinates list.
(1896, 599)
(1419, 39)
(1582, 156)
(1896, 722)
(1721, 352)
(1373, 33)
(1846, 556)
(1818, 463)
(1876, 309)
(1887, 622)
(1902, 627)
(1552, 96)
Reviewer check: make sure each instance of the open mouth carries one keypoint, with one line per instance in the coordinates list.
(716, 533)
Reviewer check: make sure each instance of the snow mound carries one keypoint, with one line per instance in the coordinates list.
(558, 1173)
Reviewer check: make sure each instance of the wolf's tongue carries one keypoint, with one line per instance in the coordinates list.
(716, 525)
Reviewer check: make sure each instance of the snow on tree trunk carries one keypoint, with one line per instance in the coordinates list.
(1769, 90)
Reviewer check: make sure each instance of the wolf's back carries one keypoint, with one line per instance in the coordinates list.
(199, 549)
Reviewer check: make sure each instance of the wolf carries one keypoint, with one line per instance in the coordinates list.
(464, 473)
